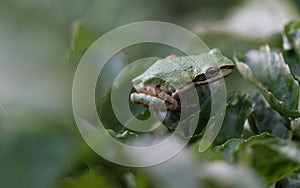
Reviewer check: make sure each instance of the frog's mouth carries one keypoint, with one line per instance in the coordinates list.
(226, 70)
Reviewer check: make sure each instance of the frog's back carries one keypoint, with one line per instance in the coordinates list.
(174, 73)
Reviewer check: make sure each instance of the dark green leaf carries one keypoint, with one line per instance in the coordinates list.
(293, 62)
(35, 157)
(92, 178)
(172, 118)
(290, 181)
(238, 109)
(265, 119)
(107, 115)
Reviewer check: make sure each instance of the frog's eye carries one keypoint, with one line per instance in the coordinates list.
(212, 72)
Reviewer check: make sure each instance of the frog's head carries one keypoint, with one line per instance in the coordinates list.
(220, 68)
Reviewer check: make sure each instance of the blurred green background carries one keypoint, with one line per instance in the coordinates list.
(39, 140)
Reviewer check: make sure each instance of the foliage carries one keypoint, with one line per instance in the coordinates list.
(258, 143)
(260, 130)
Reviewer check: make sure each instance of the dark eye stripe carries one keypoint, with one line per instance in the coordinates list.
(227, 67)
(199, 78)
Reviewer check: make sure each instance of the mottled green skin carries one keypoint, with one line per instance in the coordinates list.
(173, 74)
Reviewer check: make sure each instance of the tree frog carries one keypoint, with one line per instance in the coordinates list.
(159, 86)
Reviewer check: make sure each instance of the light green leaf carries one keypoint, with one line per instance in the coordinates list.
(271, 157)
(224, 175)
(268, 71)
(291, 36)
(291, 43)
(295, 127)
(81, 39)
(228, 147)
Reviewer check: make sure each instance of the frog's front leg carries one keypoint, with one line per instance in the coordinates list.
(155, 98)
(148, 101)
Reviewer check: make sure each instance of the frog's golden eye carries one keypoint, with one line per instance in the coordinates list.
(212, 72)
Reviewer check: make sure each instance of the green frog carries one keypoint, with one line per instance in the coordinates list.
(160, 86)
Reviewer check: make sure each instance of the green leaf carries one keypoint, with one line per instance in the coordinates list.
(92, 178)
(81, 39)
(228, 147)
(291, 36)
(221, 174)
(293, 62)
(268, 71)
(295, 127)
(209, 155)
(265, 119)
(202, 172)
(107, 115)
(238, 109)
(37, 147)
(291, 43)
(35, 158)
(290, 181)
(271, 157)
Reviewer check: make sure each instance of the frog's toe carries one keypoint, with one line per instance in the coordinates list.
(148, 101)
(170, 56)
(138, 99)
